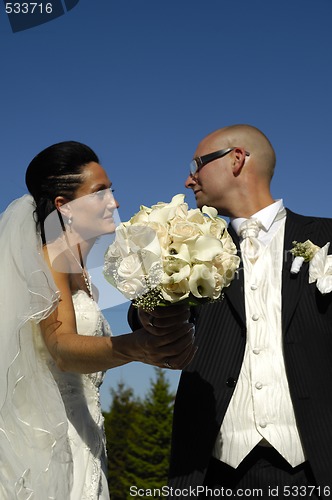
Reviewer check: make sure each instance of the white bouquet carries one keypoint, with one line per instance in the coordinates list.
(169, 253)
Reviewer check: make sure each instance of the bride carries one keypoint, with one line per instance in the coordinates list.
(55, 342)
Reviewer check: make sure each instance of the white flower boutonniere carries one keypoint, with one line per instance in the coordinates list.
(303, 252)
(320, 270)
(320, 264)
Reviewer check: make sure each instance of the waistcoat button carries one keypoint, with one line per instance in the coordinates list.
(231, 382)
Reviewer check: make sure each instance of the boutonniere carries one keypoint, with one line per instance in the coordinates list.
(320, 264)
(303, 252)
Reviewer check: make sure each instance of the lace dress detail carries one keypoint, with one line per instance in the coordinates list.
(80, 394)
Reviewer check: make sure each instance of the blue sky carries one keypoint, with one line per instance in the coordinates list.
(143, 81)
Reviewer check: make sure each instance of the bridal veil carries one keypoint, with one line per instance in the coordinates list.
(35, 458)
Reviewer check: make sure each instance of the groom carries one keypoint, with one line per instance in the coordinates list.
(254, 407)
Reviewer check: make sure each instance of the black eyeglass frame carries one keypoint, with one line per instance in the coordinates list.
(200, 161)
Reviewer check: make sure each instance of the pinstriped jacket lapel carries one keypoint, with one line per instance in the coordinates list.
(298, 228)
(235, 292)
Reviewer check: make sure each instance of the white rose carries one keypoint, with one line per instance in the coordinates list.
(228, 244)
(139, 265)
(226, 266)
(141, 217)
(184, 231)
(131, 267)
(133, 279)
(226, 261)
(218, 228)
(132, 289)
(216, 225)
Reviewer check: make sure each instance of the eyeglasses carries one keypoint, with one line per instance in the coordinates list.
(197, 163)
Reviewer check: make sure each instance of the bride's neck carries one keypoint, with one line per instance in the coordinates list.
(86, 247)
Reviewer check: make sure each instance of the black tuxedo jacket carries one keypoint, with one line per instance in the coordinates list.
(207, 385)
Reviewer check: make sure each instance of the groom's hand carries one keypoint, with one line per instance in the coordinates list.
(162, 320)
(169, 338)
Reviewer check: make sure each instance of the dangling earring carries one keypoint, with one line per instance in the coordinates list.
(70, 221)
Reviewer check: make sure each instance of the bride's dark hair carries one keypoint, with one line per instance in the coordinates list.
(56, 171)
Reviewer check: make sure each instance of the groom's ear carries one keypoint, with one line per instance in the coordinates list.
(239, 157)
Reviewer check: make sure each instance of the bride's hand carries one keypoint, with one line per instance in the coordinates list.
(173, 349)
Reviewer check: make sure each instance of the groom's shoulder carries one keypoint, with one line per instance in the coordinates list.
(317, 229)
(308, 218)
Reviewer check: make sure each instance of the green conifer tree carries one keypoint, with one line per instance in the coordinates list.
(119, 434)
(149, 451)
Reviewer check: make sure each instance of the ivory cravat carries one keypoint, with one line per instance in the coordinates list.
(251, 246)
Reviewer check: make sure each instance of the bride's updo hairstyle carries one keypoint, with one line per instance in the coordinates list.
(56, 171)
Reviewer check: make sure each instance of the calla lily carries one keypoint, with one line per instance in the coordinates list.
(206, 248)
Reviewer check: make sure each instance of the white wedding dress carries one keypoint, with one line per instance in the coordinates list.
(80, 395)
(52, 442)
